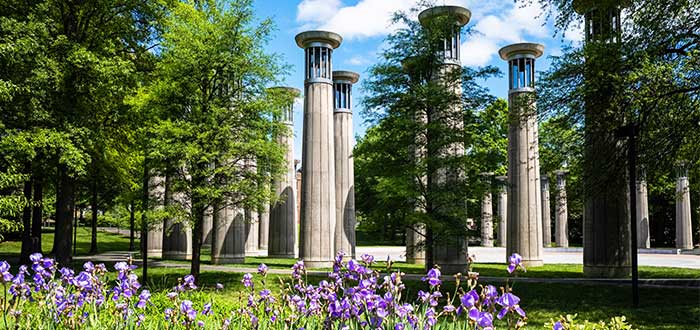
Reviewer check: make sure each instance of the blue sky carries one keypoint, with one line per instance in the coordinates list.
(364, 24)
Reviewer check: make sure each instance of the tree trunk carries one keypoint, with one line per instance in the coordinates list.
(93, 206)
(198, 209)
(37, 212)
(26, 223)
(144, 221)
(64, 217)
(131, 225)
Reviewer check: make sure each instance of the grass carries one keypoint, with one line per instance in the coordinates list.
(659, 308)
(105, 242)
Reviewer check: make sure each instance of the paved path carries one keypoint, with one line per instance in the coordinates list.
(651, 257)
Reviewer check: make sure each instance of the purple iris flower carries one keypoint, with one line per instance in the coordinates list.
(206, 310)
(557, 326)
(121, 266)
(143, 298)
(510, 302)
(514, 261)
(298, 269)
(470, 299)
(367, 259)
(262, 269)
(485, 320)
(219, 286)
(35, 257)
(89, 266)
(247, 280)
(433, 277)
(5, 271)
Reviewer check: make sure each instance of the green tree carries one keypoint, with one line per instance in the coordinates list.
(212, 113)
(422, 104)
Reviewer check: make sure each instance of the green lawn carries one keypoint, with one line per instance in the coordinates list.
(105, 242)
(659, 308)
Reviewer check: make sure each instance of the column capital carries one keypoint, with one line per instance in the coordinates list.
(524, 49)
(461, 15)
(326, 38)
(583, 6)
(348, 77)
(682, 168)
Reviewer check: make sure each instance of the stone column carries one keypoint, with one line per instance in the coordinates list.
(344, 172)
(283, 213)
(450, 252)
(416, 232)
(317, 242)
(643, 234)
(252, 224)
(156, 190)
(228, 239)
(487, 213)
(207, 224)
(546, 212)
(684, 228)
(606, 223)
(264, 227)
(561, 220)
(502, 213)
(177, 234)
(524, 196)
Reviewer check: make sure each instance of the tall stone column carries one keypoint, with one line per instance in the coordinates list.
(450, 252)
(264, 227)
(546, 212)
(344, 172)
(502, 212)
(487, 213)
(317, 242)
(177, 235)
(643, 234)
(606, 223)
(228, 238)
(207, 225)
(524, 196)
(252, 224)
(156, 188)
(416, 232)
(283, 213)
(561, 220)
(684, 228)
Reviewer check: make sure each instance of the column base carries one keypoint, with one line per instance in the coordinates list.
(227, 260)
(487, 244)
(317, 264)
(282, 256)
(533, 263)
(177, 255)
(416, 261)
(155, 253)
(255, 253)
(684, 246)
(451, 269)
(562, 245)
(607, 271)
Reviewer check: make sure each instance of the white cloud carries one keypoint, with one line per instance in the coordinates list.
(517, 24)
(358, 60)
(317, 10)
(367, 18)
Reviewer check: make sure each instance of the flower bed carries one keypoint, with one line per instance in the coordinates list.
(353, 296)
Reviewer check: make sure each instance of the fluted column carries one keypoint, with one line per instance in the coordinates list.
(177, 234)
(546, 212)
(156, 189)
(207, 225)
(283, 213)
(643, 234)
(561, 228)
(487, 213)
(318, 212)
(450, 252)
(252, 220)
(524, 196)
(502, 213)
(228, 238)
(344, 172)
(684, 229)
(264, 227)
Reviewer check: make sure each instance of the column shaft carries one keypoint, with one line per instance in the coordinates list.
(684, 229)
(502, 212)
(318, 177)
(228, 239)
(561, 230)
(344, 184)
(546, 212)
(643, 234)
(155, 232)
(282, 230)
(487, 220)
